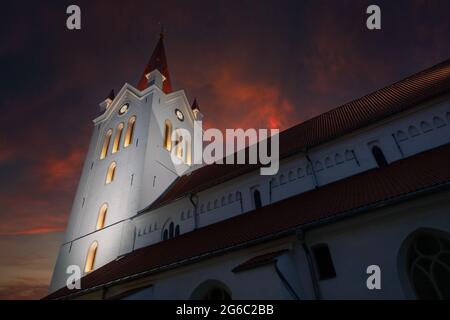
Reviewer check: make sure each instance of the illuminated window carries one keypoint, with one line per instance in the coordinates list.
(106, 141)
(168, 135)
(117, 138)
(90, 259)
(111, 172)
(130, 131)
(101, 217)
(187, 146)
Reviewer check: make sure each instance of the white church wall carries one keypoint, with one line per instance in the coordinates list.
(75, 253)
(258, 283)
(338, 159)
(160, 171)
(375, 239)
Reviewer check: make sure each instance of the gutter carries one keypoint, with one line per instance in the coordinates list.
(276, 235)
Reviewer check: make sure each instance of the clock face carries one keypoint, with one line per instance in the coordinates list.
(124, 109)
(179, 114)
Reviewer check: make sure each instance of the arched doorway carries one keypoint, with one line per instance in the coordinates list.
(211, 290)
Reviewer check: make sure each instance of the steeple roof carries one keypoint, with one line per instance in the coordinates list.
(157, 61)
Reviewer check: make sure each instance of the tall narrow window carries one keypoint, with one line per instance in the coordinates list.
(168, 135)
(257, 199)
(187, 147)
(111, 172)
(130, 132)
(117, 138)
(101, 217)
(105, 146)
(90, 259)
(324, 262)
(379, 156)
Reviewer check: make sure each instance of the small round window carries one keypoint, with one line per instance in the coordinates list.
(124, 109)
(179, 114)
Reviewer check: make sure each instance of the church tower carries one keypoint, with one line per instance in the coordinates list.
(128, 165)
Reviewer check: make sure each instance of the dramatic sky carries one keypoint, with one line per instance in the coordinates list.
(249, 63)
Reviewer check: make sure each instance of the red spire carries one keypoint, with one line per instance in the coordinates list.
(157, 61)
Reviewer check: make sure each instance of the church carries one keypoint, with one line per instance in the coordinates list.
(359, 208)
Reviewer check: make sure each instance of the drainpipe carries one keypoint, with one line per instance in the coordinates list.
(270, 191)
(356, 159)
(285, 281)
(300, 233)
(193, 198)
(316, 184)
(241, 201)
(398, 146)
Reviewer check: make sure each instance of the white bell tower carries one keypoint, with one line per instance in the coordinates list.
(128, 165)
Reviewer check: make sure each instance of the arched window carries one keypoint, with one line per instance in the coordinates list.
(171, 231)
(428, 265)
(379, 156)
(105, 146)
(130, 132)
(117, 138)
(111, 172)
(101, 217)
(90, 259)
(211, 290)
(168, 135)
(257, 199)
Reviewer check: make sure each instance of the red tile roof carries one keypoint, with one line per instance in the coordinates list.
(158, 61)
(403, 95)
(421, 172)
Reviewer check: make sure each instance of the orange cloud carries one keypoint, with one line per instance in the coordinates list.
(62, 172)
(238, 103)
(34, 231)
